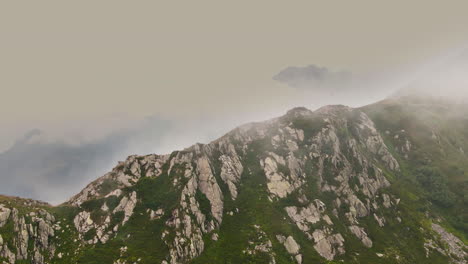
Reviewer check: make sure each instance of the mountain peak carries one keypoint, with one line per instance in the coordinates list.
(308, 187)
(334, 109)
(299, 111)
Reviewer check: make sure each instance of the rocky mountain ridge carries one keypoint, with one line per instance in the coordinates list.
(308, 187)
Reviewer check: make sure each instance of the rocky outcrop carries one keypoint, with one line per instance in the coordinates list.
(6, 253)
(154, 215)
(278, 184)
(291, 246)
(361, 234)
(328, 245)
(4, 215)
(210, 188)
(125, 174)
(373, 141)
(455, 248)
(188, 242)
(304, 217)
(102, 228)
(32, 235)
(83, 222)
(188, 222)
(231, 168)
(126, 205)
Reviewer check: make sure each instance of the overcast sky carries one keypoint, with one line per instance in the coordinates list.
(82, 70)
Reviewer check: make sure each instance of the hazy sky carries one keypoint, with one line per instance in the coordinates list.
(80, 69)
(62, 60)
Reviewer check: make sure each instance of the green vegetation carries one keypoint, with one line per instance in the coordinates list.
(107, 186)
(205, 205)
(434, 168)
(428, 142)
(436, 186)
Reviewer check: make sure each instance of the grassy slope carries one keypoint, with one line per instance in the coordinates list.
(440, 154)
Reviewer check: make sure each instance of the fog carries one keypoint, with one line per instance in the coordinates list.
(446, 77)
(442, 76)
(55, 161)
(85, 84)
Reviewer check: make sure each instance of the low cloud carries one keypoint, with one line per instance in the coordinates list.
(446, 77)
(40, 167)
(440, 77)
(57, 162)
(44, 166)
(321, 86)
(314, 78)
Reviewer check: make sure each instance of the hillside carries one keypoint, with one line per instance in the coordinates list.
(385, 183)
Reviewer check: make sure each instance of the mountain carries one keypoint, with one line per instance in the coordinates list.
(384, 183)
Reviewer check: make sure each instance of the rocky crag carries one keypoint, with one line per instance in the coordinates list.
(334, 185)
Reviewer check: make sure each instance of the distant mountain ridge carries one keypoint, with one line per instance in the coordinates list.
(384, 183)
(62, 167)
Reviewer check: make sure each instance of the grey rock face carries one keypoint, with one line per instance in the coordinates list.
(380, 220)
(83, 222)
(455, 247)
(5, 252)
(278, 184)
(231, 169)
(328, 245)
(125, 174)
(22, 235)
(209, 187)
(361, 234)
(374, 142)
(31, 230)
(291, 246)
(188, 220)
(126, 205)
(311, 214)
(155, 214)
(4, 215)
